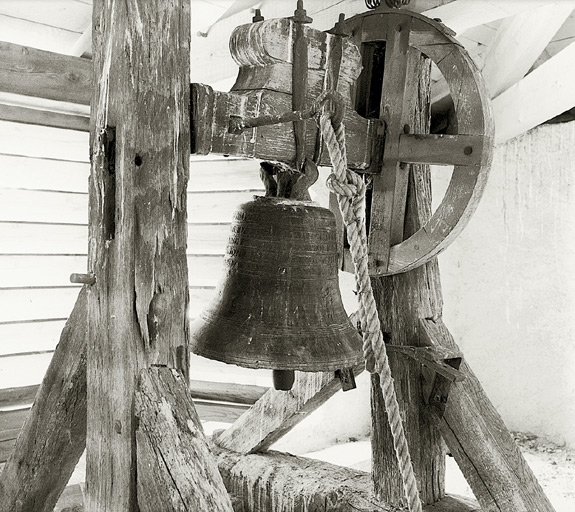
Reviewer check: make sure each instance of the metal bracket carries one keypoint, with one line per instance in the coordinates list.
(435, 358)
(347, 378)
(441, 387)
(445, 363)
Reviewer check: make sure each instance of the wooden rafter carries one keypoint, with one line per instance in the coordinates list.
(27, 32)
(544, 93)
(462, 15)
(519, 42)
(517, 45)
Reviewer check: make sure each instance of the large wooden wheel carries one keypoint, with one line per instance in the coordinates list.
(469, 151)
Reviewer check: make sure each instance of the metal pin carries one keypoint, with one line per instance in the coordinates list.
(83, 278)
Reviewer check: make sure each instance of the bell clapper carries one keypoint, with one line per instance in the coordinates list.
(283, 379)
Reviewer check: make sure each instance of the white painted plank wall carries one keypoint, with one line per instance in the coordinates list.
(43, 238)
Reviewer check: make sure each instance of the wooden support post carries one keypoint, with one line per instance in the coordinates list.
(140, 139)
(175, 467)
(277, 412)
(402, 300)
(53, 436)
(470, 425)
(276, 482)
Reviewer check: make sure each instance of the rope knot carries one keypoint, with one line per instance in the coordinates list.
(352, 186)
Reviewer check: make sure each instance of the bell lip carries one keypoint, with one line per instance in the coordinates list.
(285, 365)
(207, 327)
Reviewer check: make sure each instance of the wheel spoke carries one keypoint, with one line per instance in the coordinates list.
(441, 149)
(390, 186)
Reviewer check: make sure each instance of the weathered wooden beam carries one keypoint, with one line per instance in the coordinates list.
(16, 398)
(137, 237)
(226, 392)
(12, 398)
(54, 433)
(208, 411)
(519, 41)
(71, 500)
(33, 72)
(25, 115)
(277, 482)
(441, 149)
(544, 93)
(277, 412)
(264, 88)
(401, 300)
(175, 467)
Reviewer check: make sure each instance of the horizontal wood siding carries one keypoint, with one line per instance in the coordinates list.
(43, 239)
(214, 401)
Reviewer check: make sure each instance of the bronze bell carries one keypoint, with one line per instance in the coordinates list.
(278, 304)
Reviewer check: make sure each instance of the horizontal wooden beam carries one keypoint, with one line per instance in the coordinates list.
(22, 398)
(441, 149)
(334, 479)
(543, 94)
(43, 74)
(285, 483)
(11, 422)
(43, 118)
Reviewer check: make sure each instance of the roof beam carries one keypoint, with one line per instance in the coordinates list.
(542, 94)
(519, 42)
(462, 15)
(565, 36)
(43, 74)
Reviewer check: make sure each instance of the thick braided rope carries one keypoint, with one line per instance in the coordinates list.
(350, 191)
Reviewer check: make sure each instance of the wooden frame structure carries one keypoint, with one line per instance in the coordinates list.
(137, 337)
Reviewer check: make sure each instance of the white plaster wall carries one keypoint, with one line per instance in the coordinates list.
(509, 284)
